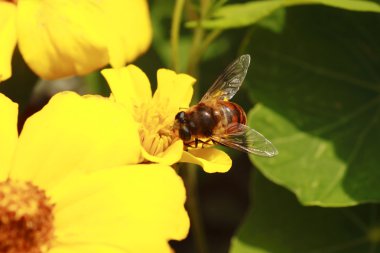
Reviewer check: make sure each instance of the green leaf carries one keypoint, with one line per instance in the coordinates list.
(318, 84)
(275, 21)
(238, 15)
(277, 223)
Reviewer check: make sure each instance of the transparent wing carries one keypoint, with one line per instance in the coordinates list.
(246, 139)
(229, 82)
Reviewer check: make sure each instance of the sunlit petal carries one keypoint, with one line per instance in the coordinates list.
(75, 133)
(174, 91)
(130, 32)
(143, 206)
(129, 86)
(211, 159)
(92, 247)
(8, 38)
(61, 38)
(8, 133)
(170, 155)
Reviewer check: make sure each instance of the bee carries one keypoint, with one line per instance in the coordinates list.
(216, 120)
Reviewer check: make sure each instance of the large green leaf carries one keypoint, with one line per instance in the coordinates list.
(238, 15)
(277, 223)
(318, 83)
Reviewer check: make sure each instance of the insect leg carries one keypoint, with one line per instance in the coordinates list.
(207, 143)
(196, 142)
(192, 144)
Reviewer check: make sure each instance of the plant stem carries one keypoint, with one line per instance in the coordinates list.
(174, 32)
(201, 40)
(194, 58)
(195, 51)
(246, 41)
(191, 183)
(198, 47)
(205, 5)
(209, 39)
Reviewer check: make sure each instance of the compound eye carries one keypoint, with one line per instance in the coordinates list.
(184, 133)
(180, 117)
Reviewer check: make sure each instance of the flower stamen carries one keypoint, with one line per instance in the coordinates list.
(26, 218)
(155, 128)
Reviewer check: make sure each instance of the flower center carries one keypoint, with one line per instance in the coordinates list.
(26, 218)
(156, 131)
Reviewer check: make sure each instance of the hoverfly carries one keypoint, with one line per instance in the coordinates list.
(216, 120)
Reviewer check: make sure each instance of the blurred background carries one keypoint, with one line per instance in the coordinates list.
(312, 89)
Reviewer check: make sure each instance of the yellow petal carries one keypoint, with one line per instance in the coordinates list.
(8, 38)
(75, 133)
(211, 159)
(84, 248)
(8, 133)
(174, 91)
(137, 208)
(130, 31)
(62, 38)
(170, 156)
(129, 85)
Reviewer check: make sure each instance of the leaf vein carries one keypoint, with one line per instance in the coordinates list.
(355, 151)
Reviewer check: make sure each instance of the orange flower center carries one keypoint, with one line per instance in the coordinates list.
(26, 218)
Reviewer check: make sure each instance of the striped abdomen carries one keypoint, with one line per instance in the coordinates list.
(207, 119)
(231, 113)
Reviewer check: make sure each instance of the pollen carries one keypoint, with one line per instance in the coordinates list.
(26, 218)
(156, 128)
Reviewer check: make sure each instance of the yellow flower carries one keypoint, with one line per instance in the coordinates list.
(61, 38)
(65, 185)
(155, 116)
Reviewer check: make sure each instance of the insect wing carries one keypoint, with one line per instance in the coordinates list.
(246, 139)
(229, 82)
